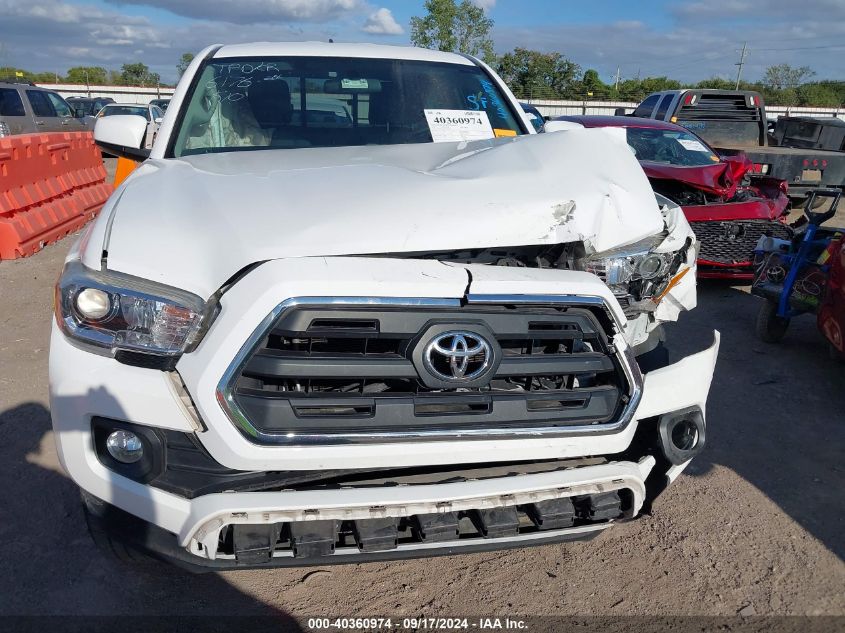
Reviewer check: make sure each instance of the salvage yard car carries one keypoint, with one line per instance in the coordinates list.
(728, 214)
(735, 120)
(152, 114)
(285, 342)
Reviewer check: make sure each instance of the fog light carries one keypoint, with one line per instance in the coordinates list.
(682, 434)
(685, 435)
(125, 446)
(93, 304)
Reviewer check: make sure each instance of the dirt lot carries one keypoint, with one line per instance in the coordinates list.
(756, 523)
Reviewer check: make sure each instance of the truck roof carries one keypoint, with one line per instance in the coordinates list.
(591, 120)
(337, 49)
(707, 91)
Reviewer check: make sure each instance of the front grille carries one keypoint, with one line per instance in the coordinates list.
(733, 242)
(341, 372)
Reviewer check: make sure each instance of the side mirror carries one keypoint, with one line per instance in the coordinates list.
(534, 120)
(561, 126)
(78, 113)
(122, 135)
(158, 120)
(620, 112)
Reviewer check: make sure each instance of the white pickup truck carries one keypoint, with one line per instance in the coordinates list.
(352, 307)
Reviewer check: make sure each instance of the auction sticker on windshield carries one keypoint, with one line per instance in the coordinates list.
(458, 125)
(692, 145)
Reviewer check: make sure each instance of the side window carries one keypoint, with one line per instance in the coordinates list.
(59, 105)
(40, 104)
(664, 106)
(157, 113)
(10, 103)
(646, 107)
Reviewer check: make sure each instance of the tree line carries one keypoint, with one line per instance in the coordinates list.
(463, 27)
(134, 74)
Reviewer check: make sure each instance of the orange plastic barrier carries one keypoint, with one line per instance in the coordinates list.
(50, 185)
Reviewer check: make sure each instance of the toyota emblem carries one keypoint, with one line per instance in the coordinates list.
(458, 356)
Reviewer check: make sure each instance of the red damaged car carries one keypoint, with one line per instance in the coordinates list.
(728, 212)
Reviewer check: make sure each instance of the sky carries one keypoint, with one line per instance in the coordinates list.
(690, 40)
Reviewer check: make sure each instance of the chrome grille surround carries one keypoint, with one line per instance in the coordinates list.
(225, 392)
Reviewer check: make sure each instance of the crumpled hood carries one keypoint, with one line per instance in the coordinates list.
(721, 179)
(195, 222)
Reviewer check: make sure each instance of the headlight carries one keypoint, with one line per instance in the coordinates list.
(633, 263)
(120, 312)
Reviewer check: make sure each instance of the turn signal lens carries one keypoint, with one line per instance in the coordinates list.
(674, 282)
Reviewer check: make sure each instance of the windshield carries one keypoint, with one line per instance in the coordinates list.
(292, 102)
(120, 109)
(669, 147)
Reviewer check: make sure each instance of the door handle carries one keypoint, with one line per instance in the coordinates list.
(39, 123)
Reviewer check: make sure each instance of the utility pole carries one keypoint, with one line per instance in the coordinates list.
(740, 64)
(616, 83)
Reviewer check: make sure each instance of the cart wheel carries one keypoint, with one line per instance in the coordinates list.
(770, 327)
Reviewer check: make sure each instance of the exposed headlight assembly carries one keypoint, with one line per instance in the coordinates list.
(115, 312)
(634, 262)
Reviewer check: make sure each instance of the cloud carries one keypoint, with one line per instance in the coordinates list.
(48, 35)
(781, 10)
(691, 41)
(484, 4)
(698, 40)
(255, 11)
(382, 23)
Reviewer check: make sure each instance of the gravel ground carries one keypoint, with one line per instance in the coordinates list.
(755, 525)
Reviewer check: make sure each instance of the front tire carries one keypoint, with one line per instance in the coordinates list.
(93, 509)
(771, 328)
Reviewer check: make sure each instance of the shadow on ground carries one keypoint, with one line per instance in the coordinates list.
(776, 413)
(58, 570)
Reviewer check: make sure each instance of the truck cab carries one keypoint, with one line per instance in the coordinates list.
(722, 118)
